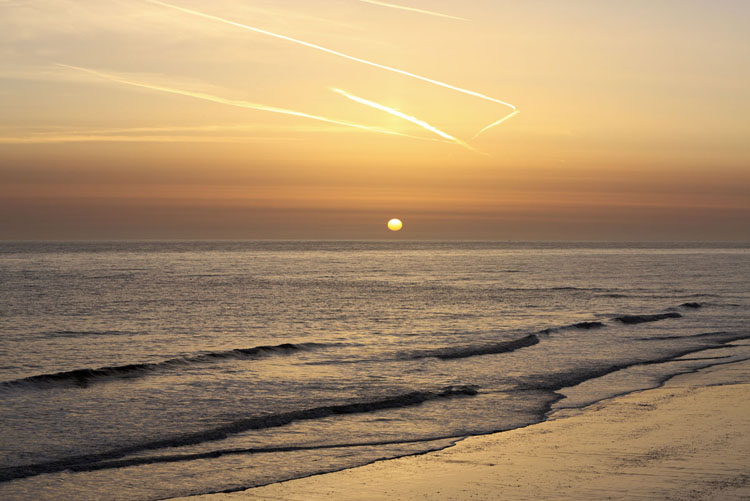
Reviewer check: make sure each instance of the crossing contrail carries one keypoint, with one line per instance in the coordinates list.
(334, 52)
(412, 9)
(237, 103)
(493, 124)
(399, 114)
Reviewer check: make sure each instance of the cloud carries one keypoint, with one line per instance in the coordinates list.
(412, 9)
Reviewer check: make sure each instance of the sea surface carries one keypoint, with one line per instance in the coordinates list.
(151, 370)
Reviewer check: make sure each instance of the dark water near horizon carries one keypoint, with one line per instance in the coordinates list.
(155, 370)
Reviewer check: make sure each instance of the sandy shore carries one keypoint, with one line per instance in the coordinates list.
(687, 440)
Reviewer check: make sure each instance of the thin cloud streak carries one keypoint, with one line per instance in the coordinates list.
(493, 124)
(80, 138)
(412, 9)
(236, 103)
(61, 129)
(331, 51)
(404, 116)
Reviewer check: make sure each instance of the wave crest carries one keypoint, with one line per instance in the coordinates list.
(85, 377)
(472, 351)
(640, 319)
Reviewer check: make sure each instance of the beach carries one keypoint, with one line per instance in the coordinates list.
(685, 440)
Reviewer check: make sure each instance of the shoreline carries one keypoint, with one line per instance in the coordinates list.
(685, 439)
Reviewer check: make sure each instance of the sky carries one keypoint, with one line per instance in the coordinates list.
(276, 119)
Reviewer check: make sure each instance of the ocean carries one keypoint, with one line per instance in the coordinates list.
(153, 370)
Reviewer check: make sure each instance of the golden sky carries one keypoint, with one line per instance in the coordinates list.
(326, 118)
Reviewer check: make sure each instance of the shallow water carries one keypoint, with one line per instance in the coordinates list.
(154, 370)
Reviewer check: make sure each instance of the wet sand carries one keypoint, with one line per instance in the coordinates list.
(689, 439)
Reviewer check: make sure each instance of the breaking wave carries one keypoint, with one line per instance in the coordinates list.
(579, 325)
(472, 351)
(640, 319)
(85, 377)
(692, 305)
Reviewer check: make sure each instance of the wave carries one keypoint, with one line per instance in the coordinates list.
(560, 288)
(124, 275)
(692, 305)
(579, 325)
(174, 458)
(472, 351)
(686, 306)
(85, 377)
(252, 423)
(640, 319)
(700, 359)
(587, 325)
(724, 337)
(74, 333)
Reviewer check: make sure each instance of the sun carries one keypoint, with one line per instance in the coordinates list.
(395, 224)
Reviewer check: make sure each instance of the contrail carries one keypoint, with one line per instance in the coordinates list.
(93, 138)
(331, 51)
(399, 114)
(237, 103)
(412, 9)
(493, 124)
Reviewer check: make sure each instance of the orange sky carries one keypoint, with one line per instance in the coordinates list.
(633, 120)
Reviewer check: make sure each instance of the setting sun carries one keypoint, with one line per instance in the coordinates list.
(395, 224)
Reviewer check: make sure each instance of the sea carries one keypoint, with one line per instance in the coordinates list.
(154, 370)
